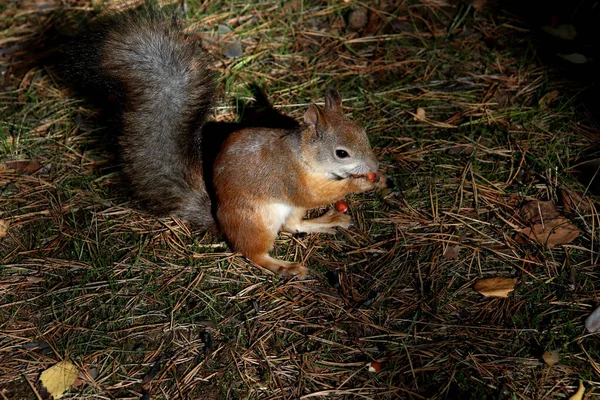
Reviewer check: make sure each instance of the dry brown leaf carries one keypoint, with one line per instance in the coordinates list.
(574, 201)
(538, 211)
(552, 232)
(451, 252)
(592, 323)
(495, 287)
(579, 393)
(551, 357)
(3, 228)
(78, 382)
(24, 166)
(34, 279)
(462, 149)
(548, 226)
(420, 114)
(548, 98)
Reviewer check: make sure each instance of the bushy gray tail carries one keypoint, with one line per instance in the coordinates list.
(162, 90)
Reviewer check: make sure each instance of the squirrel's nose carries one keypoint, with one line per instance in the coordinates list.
(373, 164)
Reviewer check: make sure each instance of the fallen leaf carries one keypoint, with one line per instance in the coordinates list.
(548, 98)
(495, 287)
(462, 149)
(58, 378)
(565, 31)
(548, 226)
(78, 382)
(574, 58)
(420, 115)
(551, 357)
(504, 97)
(24, 166)
(552, 232)
(3, 228)
(34, 279)
(592, 323)
(538, 211)
(579, 393)
(574, 201)
(451, 252)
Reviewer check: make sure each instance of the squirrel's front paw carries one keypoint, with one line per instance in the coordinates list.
(370, 181)
(381, 182)
(363, 184)
(336, 218)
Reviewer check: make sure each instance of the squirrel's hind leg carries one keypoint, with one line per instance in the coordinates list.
(252, 232)
(279, 267)
(326, 223)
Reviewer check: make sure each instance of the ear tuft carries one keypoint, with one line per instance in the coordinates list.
(311, 116)
(333, 100)
(313, 119)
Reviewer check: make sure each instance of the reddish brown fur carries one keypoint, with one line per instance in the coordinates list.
(265, 179)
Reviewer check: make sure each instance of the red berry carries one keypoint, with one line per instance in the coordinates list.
(342, 206)
(372, 176)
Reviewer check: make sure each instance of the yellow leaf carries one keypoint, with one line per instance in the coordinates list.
(58, 378)
(579, 393)
(495, 287)
(551, 357)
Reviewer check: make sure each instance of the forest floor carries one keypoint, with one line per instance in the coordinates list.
(478, 137)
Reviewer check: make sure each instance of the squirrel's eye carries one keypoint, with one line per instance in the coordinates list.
(342, 153)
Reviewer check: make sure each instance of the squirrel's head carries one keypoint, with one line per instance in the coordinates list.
(337, 146)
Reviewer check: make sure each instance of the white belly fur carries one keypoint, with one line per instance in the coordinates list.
(275, 215)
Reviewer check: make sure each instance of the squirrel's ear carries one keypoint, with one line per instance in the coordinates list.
(311, 118)
(333, 100)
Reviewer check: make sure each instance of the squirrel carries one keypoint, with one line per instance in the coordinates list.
(262, 180)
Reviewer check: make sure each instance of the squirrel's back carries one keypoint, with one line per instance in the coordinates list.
(161, 86)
